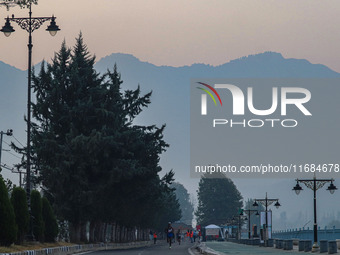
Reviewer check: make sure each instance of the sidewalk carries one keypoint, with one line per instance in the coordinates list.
(235, 248)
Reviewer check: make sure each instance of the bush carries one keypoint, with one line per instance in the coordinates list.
(37, 220)
(8, 227)
(50, 221)
(22, 218)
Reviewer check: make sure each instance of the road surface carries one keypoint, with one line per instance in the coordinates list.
(160, 248)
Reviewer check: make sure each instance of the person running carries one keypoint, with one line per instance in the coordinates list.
(195, 236)
(199, 236)
(188, 234)
(151, 235)
(178, 236)
(154, 238)
(170, 234)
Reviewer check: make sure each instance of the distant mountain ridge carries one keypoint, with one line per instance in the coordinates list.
(267, 64)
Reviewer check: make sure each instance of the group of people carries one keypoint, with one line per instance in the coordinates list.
(191, 235)
(170, 235)
(153, 236)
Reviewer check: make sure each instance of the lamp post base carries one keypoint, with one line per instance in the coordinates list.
(315, 247)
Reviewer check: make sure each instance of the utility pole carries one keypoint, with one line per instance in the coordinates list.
(9, 132)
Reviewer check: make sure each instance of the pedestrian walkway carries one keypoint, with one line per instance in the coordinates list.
(235, 248)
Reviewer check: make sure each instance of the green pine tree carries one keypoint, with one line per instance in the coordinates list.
(186, 205)
(37, 220)
(50, 221)
(85, 141)
(218, 200)
(8, 227)
(19, 203)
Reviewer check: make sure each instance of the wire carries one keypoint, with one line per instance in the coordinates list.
(6, 167)
(11, 169)
(18, 141)
(10, 146)
(6, 142)
(9, 150)
(13, 154)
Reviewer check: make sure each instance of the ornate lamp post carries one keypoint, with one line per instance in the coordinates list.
(314, 184)
(267, 202)
(29, 24)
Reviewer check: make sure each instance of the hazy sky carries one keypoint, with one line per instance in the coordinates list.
(182, 32)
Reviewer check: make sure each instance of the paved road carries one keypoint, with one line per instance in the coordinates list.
(160, 248)
(234, 248)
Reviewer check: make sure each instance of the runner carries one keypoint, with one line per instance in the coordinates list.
(199, 235)
(170, 234)
(188, 234)
(178, 236)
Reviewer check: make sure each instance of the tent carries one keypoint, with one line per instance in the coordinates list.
(214, 230)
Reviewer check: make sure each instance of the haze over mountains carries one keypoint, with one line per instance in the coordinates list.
(171, 105)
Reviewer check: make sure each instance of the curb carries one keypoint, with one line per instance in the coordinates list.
(202, 249)
(190, 251)
(81, 249)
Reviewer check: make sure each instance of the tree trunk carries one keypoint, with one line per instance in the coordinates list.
(97, 231)
(116, 233)
(83, 233)
(92, 229)
(112, 232)
(100, 231)
(120, 234)
(104, 232)
(75, 232)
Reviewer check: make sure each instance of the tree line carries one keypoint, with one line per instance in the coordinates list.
(98, 168)
(15, 217)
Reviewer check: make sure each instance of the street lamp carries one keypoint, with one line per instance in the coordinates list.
(53, 28)
(249, 212)
(29, 24)
(7, 29)
(297, 188)
(277, 204)
(314, 184)
(267, 202)
(9, 132)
